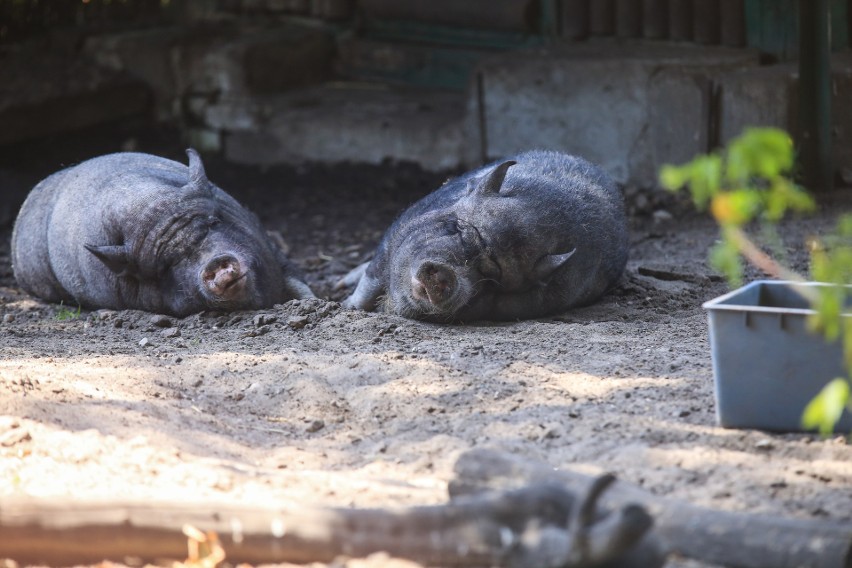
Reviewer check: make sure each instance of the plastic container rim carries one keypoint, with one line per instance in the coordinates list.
(716, 303)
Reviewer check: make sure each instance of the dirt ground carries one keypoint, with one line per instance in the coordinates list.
(307, 402)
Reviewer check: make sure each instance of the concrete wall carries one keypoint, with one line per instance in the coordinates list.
(270, 94)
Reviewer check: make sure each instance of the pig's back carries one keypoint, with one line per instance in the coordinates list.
(30, 256)
(76, 206)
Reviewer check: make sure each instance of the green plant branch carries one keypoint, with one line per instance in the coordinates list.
(749, 181)
(760, 259)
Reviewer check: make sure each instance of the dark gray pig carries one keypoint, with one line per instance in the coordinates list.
(138, 231)
(534, 235)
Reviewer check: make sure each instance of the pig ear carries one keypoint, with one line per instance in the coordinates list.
(197, 175)
(115, 257)
(548, 264)
(491, 182)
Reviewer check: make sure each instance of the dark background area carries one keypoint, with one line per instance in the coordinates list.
(81, 78)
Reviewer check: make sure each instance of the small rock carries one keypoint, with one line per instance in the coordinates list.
(8, 423)
(170, 332)
(118, 322)
(8, 318)
(315, 426)
(764, 445)
(161, 321)
(264, 319)
(661, 216)
(297, 322)
(14, 436)
(641, 202)
(144, 342)
(263, 330)
(683, 414)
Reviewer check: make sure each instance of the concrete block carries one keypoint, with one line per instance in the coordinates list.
(425, 65)
(764, 96)
(215, 60)
(339, 123)
(600, 100)
(768, 96)
(679, 114)
(44, 94)
(244, 60)
(146, 55)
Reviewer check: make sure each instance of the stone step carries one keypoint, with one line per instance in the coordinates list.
(340, 122)
(42, 94)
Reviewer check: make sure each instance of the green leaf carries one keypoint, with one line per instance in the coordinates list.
(705, 178)
(672, 177)
(765, 152)
(725, 257)
(828, 305)
(825, 409)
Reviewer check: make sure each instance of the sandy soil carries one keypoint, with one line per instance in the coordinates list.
(309, 402)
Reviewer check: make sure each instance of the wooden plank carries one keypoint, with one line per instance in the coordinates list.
(717, 537)
(541, 525)
(655, 19)
(574, 19)
(628, 18)
(680, 20)
(732, 23)
(602, 17)
(705, 22)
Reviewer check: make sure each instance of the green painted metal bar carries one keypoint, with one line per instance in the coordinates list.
(815, 94)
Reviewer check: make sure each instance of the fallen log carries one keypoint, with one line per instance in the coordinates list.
(735, 540)
(542, 525)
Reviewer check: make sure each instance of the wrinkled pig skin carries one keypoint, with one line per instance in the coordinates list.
(136, 231)
(536, 234)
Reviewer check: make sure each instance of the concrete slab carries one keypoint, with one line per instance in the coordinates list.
(679, 121)
(595, 99)
(343, 122)
(764, 96)
(767, 96)
(215, 60)
(42, 94)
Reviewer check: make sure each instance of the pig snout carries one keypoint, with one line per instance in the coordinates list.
(434, 283)
(224, 277)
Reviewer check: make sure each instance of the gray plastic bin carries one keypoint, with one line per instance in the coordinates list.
(766, 365)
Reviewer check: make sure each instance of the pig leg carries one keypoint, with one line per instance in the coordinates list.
(366, 294)
(352, 277)
(298, 289)
(292, 285)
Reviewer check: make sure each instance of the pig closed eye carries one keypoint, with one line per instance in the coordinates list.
(490, 268)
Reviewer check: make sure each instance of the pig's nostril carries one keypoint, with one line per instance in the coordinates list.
(434, 282)
(418, 290)
(222, 274)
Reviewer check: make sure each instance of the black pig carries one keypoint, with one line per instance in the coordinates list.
(534, 235)
(137, 231)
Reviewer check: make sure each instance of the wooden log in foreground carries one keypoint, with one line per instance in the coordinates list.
(736, 540)
(542, 525)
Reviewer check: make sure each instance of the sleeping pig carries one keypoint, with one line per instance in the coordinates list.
(137, 231)
(530, 236)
